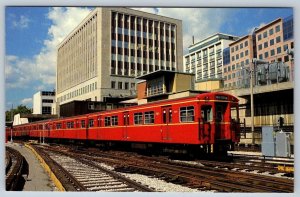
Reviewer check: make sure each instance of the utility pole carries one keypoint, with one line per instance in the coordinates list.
(252, 71)
(12, 122)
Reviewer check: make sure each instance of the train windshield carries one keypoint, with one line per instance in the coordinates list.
(206, 113)
(234, 113)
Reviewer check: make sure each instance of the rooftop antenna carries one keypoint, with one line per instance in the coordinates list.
(193, 39)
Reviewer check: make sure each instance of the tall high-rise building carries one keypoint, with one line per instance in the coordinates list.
(205, 58)
(102, 56)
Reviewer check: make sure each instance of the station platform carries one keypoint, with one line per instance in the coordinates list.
(38, 179)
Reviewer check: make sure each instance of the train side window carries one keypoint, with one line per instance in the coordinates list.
(206, 113)
(138, 118)
(187, 114)
(107, 121)
(70, 125)
(82, 123)
(114, 120)
(58, 126)
(91, 122)
(149, 117)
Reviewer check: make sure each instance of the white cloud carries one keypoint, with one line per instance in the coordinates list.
(26, 101)
(41, 68)
(22, 22)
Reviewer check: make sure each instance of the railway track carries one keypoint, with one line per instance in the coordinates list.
(16, 167)
(85, 175)
(203, 177)
(194, 176)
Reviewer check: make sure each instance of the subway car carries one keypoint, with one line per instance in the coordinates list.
(206, 123)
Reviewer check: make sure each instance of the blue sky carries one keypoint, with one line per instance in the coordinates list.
(32, 34)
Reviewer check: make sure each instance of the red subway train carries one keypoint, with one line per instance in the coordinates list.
(206, 123)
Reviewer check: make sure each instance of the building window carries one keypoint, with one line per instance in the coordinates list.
(271, 42)
(149, 117)
(241, 45)
(246, 52)
(114, 120)
(187, 114)
(260, 56)
(286, 58)
(236, 47)
(271, 31)
(278, 50)
(229, 68)
(265, 44)
(242, 54)
(246, 43)
(272, 52)
(237, 56)
(247, 61)
(259, 37)
(225, 70)
(233, 75)
(266, 54)
(119, 85)
(107, 121)
(138, 118)
(233, 67)
(278, 39)
(113, 85)
(46, 110)
(277, 28)
(265, 34)
(232, 58)
(260, 47)
(47, 101)
(126, 85)
(232, 49)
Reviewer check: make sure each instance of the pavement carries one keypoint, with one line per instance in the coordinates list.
(38, 179)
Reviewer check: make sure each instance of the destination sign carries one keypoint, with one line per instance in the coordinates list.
(220, 97)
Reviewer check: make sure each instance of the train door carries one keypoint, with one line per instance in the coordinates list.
(125, 124)
(219, 122)
(166, 120)
(206, 119)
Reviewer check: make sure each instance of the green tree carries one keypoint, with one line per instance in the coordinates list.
(21, 109)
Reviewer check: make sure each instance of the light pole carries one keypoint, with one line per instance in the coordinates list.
(251, 71)
(290, 52)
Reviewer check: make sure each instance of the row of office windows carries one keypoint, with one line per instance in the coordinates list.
(272, 42)
(270, 53)
(271, 32)
(88, 88)
(236, 66)
(240, 55)
(240, 46)
(122, 85)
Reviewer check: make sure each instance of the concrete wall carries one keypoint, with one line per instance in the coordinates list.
(208, 85)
